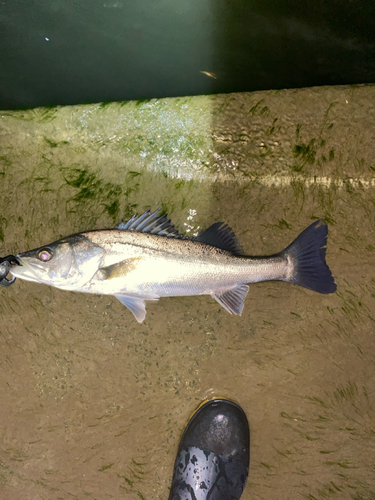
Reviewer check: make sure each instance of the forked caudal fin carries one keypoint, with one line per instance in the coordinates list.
(308, 255)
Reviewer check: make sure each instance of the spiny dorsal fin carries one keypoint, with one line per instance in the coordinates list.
(233, 300)
(150, 223)
(220, 235)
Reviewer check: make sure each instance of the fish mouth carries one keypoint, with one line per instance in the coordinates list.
(26, 270)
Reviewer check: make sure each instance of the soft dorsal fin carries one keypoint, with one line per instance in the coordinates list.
(150, 223)
(220, 235)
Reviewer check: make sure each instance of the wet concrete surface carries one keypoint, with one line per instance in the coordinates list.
(92, 403)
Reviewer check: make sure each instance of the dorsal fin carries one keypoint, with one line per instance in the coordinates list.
(220, 235)
(150, 223)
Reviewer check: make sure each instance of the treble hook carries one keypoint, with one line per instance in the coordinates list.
(5, 264)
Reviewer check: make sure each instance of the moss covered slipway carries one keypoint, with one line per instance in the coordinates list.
(89, 397)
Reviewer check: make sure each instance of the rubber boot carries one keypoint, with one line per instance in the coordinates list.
(213, 457)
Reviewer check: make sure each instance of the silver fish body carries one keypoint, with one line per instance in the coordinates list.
(146, 259)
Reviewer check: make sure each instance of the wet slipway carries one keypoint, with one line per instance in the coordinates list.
(92, 403)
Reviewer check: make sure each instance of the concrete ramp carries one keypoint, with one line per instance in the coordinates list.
(93, 404)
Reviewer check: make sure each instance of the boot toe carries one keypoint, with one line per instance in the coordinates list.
(220, 426)
(213, 457)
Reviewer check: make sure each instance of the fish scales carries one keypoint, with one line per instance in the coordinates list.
(170, 267)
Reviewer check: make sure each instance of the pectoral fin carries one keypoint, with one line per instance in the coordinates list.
(232, 300)
(136, 305)
(120, 269)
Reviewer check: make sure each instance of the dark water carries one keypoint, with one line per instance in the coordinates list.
(68, 52)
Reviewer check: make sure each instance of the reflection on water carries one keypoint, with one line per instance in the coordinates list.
(69, 52)
(95, 403)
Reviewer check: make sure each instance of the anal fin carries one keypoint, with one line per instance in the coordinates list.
(233, 300)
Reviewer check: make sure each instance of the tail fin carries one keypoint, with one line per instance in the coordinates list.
(308, 253)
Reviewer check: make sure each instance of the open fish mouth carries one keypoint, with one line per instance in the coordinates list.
(31, 266)
(26, 270)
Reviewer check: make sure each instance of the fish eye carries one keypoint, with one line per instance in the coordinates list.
(45, 255)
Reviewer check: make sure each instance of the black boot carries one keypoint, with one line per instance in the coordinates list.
(213, 457)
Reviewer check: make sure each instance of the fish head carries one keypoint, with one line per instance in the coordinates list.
(68, 263)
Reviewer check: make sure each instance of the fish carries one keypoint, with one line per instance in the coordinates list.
(146, 258)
